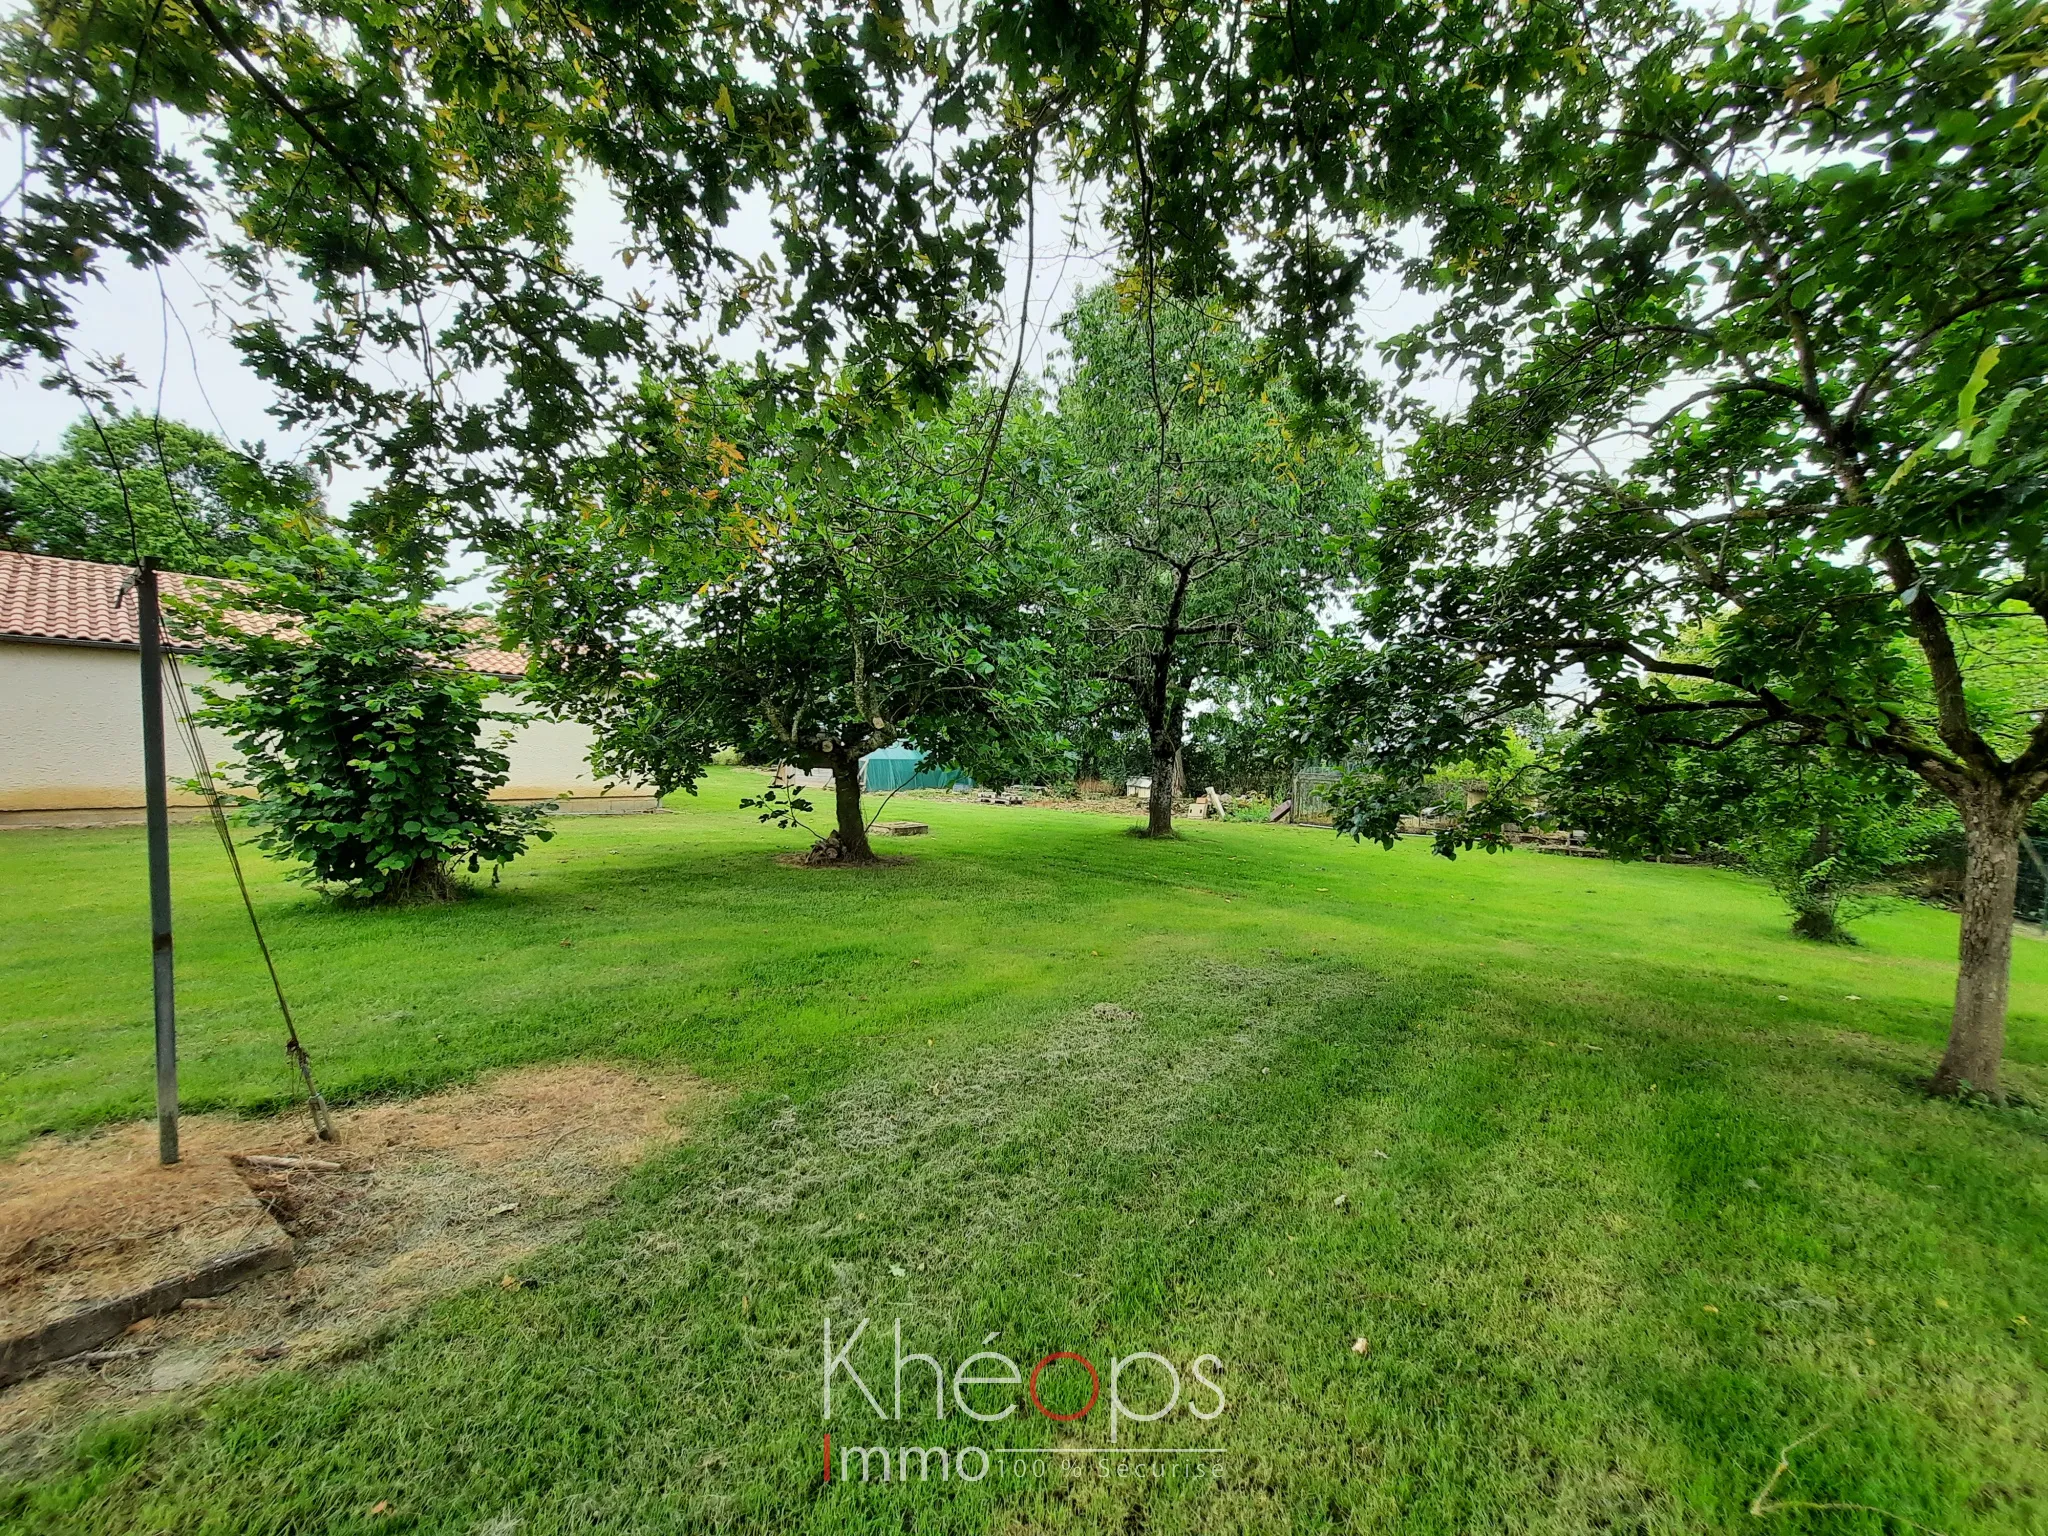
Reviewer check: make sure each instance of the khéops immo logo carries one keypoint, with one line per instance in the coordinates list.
(1098, 1401)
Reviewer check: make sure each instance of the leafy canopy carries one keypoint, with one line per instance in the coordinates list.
(1212, 518)
(1765, 353)
(195, 503)
(386, 182)
(401, 184)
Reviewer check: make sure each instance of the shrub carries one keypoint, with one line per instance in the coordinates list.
(1825, 830)
(359, 726)
(1827, 865)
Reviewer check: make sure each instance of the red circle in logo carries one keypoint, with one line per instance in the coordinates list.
(1095, 1386)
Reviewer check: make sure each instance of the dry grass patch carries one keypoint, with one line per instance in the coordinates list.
(432, 1195)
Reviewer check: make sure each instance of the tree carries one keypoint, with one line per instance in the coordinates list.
(1233, 745)
(359, 725)
(401, 184)
(723, 589)
(195, 503)
(1212, 520)
(1766, 350)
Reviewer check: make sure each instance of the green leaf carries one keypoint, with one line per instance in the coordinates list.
(1986, 441)
(1906, 466)
(1966, 401)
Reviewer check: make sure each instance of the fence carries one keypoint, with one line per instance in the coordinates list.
(1311, 794)
(1442, 794)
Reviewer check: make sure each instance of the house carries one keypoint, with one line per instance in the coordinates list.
(71, 721)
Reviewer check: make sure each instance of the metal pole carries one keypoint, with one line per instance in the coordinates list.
(156, 797)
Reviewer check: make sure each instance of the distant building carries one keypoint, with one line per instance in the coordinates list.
(71, 720)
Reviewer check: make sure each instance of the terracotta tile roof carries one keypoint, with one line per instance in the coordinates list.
(45, 598)
(79, 602)
(491, 659)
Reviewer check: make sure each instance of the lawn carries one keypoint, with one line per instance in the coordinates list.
(1622, 1188)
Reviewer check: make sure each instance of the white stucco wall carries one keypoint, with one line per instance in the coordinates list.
(71, 730)
(551, 760)
(71, 743)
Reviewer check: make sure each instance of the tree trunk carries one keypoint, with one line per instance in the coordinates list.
(426, 881)
(1976, 1036)
(853, 829)
(1159, 812)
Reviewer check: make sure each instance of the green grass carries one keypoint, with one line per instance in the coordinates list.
(1089, 1093)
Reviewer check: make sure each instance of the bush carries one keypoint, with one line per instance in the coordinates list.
(1826, 874)
(1825, 831)
(359, 727)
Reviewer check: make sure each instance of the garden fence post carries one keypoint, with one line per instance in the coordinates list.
(156, 798)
